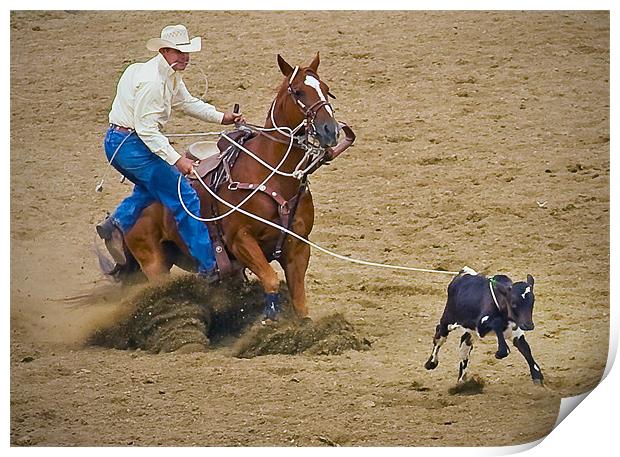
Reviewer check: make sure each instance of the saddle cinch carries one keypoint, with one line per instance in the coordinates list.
(215, 162)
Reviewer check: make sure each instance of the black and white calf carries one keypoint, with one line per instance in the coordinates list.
(482, 305)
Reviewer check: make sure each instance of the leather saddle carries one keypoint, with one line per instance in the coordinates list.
(211, 157)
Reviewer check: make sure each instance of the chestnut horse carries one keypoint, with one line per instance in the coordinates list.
(302, 97)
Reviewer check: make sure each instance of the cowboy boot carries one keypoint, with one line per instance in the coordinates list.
(113, 239)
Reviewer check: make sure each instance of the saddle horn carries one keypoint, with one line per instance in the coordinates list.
(235, 110)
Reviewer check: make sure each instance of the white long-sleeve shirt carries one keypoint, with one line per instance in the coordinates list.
(145, 96)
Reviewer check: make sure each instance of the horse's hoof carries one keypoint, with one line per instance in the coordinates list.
(270, 315)
(211, 277)
(272, 306)
(538, 382)
(430, 365)
(305, 320)
(501, 354)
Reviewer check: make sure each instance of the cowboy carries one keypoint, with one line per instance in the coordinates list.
(136, 147)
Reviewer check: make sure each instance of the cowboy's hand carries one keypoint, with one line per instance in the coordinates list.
(185, 165)
(233, 118)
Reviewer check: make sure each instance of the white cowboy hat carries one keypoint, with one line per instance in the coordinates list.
(175, 37)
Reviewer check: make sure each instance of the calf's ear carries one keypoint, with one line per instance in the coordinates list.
(530, 281)
(504, 289)
(501, 283)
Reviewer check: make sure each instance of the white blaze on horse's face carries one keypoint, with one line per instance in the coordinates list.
(314, 83)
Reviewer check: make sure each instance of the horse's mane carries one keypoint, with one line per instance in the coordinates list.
(280, 85)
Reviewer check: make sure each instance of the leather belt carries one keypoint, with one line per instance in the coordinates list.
(120, 128)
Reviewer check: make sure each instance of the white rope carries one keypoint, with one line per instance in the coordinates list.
(170, 135)
(314, 245)
(493, 294)
(275, 170)
(295, 174)
(271, 110)
(99, 187)
(233, 208)
(204, 94)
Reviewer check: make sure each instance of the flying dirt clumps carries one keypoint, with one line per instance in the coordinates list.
(330, 334)
(472, 386)
(183, 314)
(187, 315)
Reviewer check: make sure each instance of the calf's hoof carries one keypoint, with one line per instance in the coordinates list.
(430, 365)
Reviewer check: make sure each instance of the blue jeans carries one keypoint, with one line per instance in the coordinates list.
(156, 181)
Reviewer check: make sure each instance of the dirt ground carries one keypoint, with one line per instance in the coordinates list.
(482, 140)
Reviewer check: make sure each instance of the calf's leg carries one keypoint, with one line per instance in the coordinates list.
(524, 348)
(465, 348)
(502, 347)
(441, 333)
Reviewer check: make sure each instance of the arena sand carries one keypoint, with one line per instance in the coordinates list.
(483, 140)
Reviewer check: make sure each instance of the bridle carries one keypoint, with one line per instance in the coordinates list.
(300, 136)
(308, 112)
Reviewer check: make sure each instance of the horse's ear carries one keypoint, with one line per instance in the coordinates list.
(315, 63)
(285, 68)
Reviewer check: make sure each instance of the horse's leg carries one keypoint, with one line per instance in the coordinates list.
(295, 266)
(144, 242)
(297, 254)
(246, 249)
